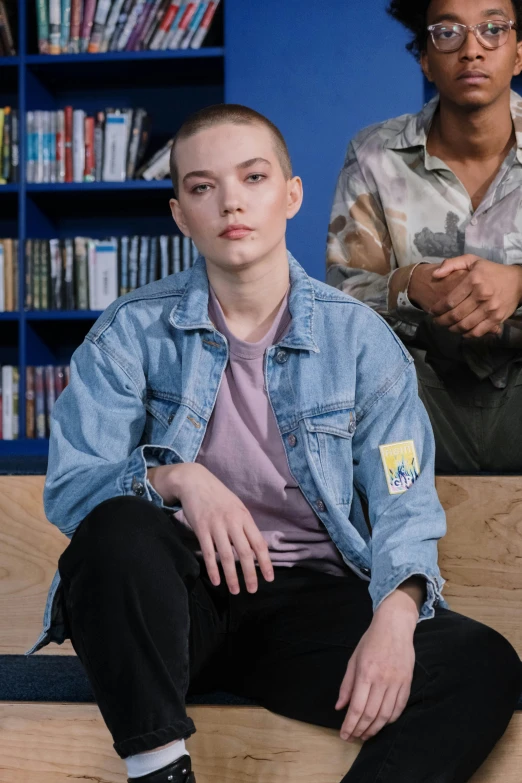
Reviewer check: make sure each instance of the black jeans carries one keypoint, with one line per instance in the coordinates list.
(147, 624)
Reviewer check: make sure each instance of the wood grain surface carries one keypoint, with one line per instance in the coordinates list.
(62, 743)
(481, 555)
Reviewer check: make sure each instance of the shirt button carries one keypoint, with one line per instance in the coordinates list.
(281, 357)
(292, 440)
(473, 221)
(320, 505)
(137, 487)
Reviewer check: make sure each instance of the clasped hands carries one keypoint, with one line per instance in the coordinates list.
(376, 686)
(468, 295)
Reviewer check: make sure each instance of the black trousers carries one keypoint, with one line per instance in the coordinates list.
(148, 625)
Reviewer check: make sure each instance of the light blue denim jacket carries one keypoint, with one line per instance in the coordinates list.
(142, 391)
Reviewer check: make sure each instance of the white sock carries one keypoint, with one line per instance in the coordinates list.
(152, 760)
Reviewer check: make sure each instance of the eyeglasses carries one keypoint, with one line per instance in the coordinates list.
(450, 37)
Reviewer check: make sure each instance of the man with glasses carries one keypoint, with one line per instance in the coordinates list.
(426, 228)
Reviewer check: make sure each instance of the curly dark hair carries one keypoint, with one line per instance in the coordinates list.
(413, 15)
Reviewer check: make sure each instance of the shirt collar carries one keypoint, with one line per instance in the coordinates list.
(191, 312)
(416, 127)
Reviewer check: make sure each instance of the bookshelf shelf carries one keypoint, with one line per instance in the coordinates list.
(62, 315)
(169, 85)
(86, 187)
(111, 57)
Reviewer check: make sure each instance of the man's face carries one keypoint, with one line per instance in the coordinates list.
(233, 198)
(473, 76)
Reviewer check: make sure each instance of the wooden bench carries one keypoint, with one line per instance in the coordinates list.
(481, 557)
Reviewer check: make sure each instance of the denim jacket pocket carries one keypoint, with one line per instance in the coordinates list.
(330, 440)
(160, 415)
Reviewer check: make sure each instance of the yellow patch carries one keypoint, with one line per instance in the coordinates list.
(401, 466)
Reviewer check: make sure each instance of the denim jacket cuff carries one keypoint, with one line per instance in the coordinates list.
(135, 480)
(434, 584)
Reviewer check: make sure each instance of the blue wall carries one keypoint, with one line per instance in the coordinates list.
(321, 71)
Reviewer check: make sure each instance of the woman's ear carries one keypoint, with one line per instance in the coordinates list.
(179, 218)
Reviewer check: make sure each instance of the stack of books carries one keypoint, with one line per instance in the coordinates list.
(89, 274)
(7, 44)
(8, 275)
(73, 26)
(9, 149)
(69, 146)
(9, 402)
(43, 386)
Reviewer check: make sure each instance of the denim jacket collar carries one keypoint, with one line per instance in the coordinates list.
(191, 312)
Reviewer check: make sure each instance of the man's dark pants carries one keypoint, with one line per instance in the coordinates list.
(147, 624)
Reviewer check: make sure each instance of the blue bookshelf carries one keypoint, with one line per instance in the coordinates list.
(169, 85)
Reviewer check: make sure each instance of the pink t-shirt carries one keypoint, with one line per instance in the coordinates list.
(243, 449)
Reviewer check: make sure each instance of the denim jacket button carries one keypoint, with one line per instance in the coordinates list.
(137, 487)
(320, 505)
(366, 571)
(292, 440)
(351, 427)
(281, 357)
(171, 418)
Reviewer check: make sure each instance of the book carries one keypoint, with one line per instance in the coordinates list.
(176, 254)
(110, 26)
(186, 256)
(144, 261)
(68, 273)
(154, 23)
(132, 43)
(91, 263)
(39, 123)
(106, 281)
(29, 274)
(158, 167)
(7, 403)
(204, 27)
(50, 395)
(89, 172)
(16, 392)
(115, 146)
(100, 20)
(46, 146)
(42, 18)
(31, 147)
(130, 23)
(152, 274)
(9, 262)
(60, 146)
(75, 29)
(78, 142)
(138, 128)
(35, 282)
(194, 24)
(124, 265)
(177, 32)
(89, 9)
(45, 274)
(66, 26)
(55, 26)
(6, 36)
(6, 145)
(122, 19)
(59, 380)
(15, 146)
(39, 394)
(162, 33)
(68, 144)
(81, 274)
(56, 302)
(133, 262)
(99, 129)
(29, 403)
(164, 256)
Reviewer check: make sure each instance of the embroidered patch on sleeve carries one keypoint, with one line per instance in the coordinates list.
(401, 467)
